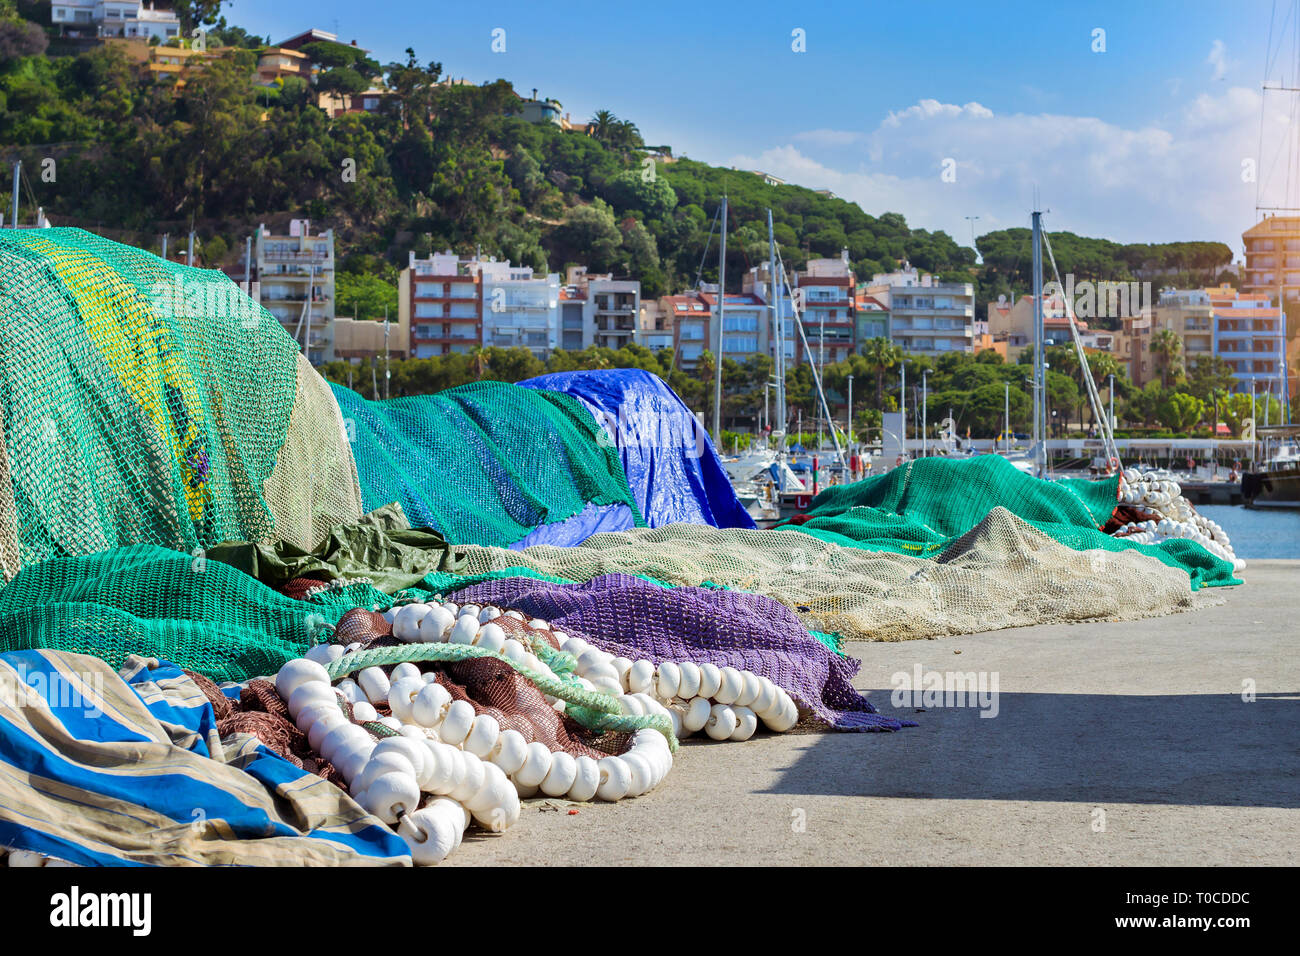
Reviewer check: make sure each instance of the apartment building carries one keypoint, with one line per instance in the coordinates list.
(440, 298)
(688, 317)
(926, 316)
(295, 273)
(758, 282)
(746, 323)
(826, 289)
(654, 327)
(872, 318)
(520, 309)
(574, 335)
(611, 307)
(1273, 258)
(363, 338)
(1189, 314)
(1249, 334)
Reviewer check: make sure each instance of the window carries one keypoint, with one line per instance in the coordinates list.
(740, 343)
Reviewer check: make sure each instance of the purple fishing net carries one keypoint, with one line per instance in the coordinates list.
(631, 617)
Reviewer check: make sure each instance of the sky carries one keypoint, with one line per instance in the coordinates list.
(1138, 121)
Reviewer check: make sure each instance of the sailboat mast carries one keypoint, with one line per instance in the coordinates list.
(722, 308)
(775, 289)
(1040, 377)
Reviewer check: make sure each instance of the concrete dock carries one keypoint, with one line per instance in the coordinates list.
(1114, 743)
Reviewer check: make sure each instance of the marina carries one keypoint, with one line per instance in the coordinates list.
(470, 446)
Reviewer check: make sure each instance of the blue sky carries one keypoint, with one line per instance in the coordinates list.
(1142, 142)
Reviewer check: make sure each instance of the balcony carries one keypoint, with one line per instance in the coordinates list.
(295, 256)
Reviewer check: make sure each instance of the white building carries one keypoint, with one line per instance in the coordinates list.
(826, 288)
(296, 278)
(520, 309)
(927, 316)
(609, 310)
(115, 18)
(758, 282)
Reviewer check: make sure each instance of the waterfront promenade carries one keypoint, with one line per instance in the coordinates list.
(1115, 743)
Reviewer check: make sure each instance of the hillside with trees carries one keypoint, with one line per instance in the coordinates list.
(452, 165)
(441, 165)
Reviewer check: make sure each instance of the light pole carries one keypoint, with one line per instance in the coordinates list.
(971, 220)
(1110, 391)
(1252, 424)
(902, 401)
(925, 410)
(1006, 413)
(850, 415)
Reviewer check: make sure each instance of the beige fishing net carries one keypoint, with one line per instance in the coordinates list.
(1003, 573)
(313, 486)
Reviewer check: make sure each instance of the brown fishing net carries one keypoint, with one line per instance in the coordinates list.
(491, 686)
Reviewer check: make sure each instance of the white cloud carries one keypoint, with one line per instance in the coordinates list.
(1217, 59)
(1177, 178)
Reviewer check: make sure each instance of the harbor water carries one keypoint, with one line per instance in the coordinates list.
(1258, 533)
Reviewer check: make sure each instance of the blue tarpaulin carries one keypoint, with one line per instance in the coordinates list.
(121, 769)
(671, 466)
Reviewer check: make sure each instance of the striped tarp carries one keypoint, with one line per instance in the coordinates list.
(106, 768)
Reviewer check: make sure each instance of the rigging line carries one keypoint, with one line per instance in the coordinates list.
(803, 337)
(31, 196)
(1094, 397)
(699, 274)
(1262, 97)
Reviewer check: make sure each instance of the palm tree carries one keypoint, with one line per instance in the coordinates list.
(1102, 365)
(602, 124)
(625, 135)
(1168, 347)
(881, 355)
(478, 361)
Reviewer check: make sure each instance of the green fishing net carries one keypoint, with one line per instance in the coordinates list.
(924, 506)
(203, 615)
(141, 401)
(485, 463)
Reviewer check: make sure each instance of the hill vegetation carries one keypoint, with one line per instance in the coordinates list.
(440, 165)
(108, 146)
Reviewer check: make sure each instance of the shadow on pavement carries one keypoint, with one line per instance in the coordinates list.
(1193, 749)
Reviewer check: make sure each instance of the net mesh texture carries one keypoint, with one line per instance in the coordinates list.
(143, 401)
(927, 504)
(202, 615)
(485, 463)
(1002, 573)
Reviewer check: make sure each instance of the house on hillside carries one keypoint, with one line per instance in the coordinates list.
(131, 19)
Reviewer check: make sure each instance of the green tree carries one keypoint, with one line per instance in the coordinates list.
(589, 233)
(365, 296)
(882, 356)
(1180, 411)
(632, 190)
(1209, 375)
(1167, 348)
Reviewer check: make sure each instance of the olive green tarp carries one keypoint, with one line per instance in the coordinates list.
(381, 547)
(923, 506)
